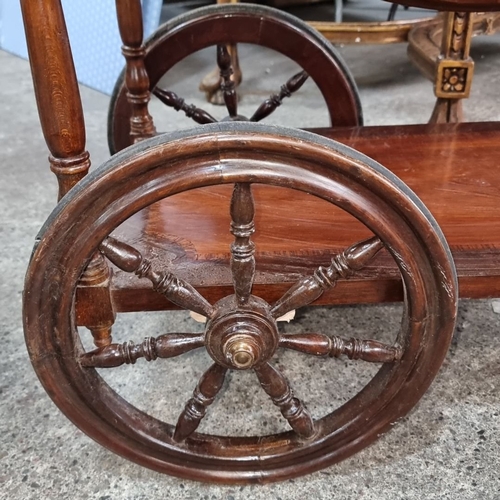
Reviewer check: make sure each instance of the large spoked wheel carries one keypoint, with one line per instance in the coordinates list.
(222, 25)
(241, 331)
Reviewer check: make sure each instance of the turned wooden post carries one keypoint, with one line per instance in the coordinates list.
(61, 116)
(454, 68)
(137, 80)
(56, 90)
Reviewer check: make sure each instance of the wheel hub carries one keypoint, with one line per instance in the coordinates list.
(241, 337)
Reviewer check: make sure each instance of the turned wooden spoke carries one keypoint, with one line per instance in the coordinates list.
(242, 249)
(172, 100)
(178, 291)
(151, 348)
(343, 265)
(203, 396)
(228, 85)
(278, 388)
(270, 105)
(318, 344)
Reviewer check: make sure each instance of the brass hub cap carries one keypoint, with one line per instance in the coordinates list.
(241, 337)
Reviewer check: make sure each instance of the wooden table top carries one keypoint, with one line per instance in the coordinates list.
(453, 169)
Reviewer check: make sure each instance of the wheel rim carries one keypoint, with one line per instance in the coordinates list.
(264, 26)
(323, 168)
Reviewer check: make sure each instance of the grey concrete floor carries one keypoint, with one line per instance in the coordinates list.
(447, 447)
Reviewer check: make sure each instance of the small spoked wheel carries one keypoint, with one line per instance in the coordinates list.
(223, 26)
(241, 332)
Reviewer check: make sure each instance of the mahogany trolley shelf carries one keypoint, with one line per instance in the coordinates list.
(242, 223)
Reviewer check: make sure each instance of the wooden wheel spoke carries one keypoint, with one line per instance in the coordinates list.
(203, 396)
(343, 265)
(172, 100)
(270, 105)
(164, 346)
(242, 249)
(228, 86)
(277, 387)
(178, 291)
(318, 344)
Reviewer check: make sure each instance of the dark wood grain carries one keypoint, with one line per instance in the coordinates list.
(319, 344)
(97, 311)
(228, 86)
(56, 91)
(129, 14)
(151, 348)
(203, 396)
(242, 23)
(130, 196)
(343, 265)
(270, 105)
(61, 117)
(461, 191)
(242, 249)
(172, 100)
(176, 290)
(237, 153)
(278, 389)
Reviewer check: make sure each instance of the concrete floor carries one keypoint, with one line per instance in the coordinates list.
(447, 447)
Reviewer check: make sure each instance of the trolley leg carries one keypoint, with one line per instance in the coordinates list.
(455, 68)
(61, 116)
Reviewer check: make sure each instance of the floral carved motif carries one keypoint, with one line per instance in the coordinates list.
(454, 80)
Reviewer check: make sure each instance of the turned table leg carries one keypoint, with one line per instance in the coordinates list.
(61, 116)
(129, 15)
(454, 68)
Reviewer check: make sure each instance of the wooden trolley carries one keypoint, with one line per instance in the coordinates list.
(150, 230)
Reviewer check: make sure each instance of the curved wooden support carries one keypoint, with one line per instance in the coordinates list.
(425, 41)
(228, 86)
(367, 32)
(343, 265)
(440, 50)
(151, 348)
(129, 15)
(454, 5)
(270, 105)
(176, 290)
(203, 396)
(243, 249)
(318, 344)
(278, 388)
(172, 100)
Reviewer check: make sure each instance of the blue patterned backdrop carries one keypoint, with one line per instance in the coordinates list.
(93, 32)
